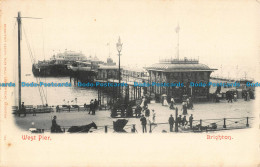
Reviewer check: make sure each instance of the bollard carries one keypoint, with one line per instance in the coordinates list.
(247, 125)
(105, 129)
(224, 126)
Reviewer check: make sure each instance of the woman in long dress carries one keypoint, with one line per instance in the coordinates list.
(184, 108)
(172, 103)
(142, 103)
(165, 103)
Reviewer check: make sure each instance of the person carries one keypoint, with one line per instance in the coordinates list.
(143, 103)
(143, 121)
(184, 108)
(147, 112)
(96, 104)
(34, 112)
(138, 111)
(229, 96)
(129, 111)
(171, 122)
(85, 106)
(55, 127)
(247, 96)
(165, 103)
(23, 109)
(179, 120)
(184, 121)
(57, 108)
(190, 103)
(172, 104)
(154, 115)
(235, 97)
(91, 106)
(191, 120)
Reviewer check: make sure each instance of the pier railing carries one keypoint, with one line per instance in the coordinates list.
(202, 125)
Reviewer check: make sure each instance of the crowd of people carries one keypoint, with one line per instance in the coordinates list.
(179, 121)
(144, 111)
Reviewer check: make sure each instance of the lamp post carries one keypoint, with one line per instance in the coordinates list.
(119, 48)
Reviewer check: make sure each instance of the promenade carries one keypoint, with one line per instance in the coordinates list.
(102, 118)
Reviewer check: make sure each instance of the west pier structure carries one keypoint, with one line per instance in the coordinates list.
(179, 71)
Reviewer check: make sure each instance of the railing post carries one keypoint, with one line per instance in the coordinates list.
(105, 129)
(133, 130)
(224, 126)
(176, 120)
(150, 131)
(200, 124)
(247, 125)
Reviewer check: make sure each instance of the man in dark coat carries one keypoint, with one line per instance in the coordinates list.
(191, 120)
(143, 121)
(147, 112)
(54, 126)
(171, 122)
(184, 121)
(138, 111)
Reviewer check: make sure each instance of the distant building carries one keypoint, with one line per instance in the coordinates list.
(68, 56)
(108, 70)
(179, 71)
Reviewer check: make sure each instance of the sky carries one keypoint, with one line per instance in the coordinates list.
(221, 34)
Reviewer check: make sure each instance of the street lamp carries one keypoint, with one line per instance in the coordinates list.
(119, 48)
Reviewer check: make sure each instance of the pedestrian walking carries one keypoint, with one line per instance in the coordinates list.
(184, 121)
(189, 103)
(184, 108)
(235, 97)
(154, 115)
(34, 112)
(147, 112)
(57, 108)
(171, 122)
(91, 106)
(191, 120)
(143, 122)
(172, 104)
(85, 106)
(23, 109)
(248, 96)
(96, 104)
(179, 120)
(138, 111)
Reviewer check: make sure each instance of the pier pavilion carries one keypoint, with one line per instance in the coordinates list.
(183, 71)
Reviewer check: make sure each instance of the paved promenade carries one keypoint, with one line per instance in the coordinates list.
(202, 111)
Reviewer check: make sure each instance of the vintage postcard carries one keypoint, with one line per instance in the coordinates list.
(129, 83)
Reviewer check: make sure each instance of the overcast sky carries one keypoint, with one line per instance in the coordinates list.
(218, 32)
